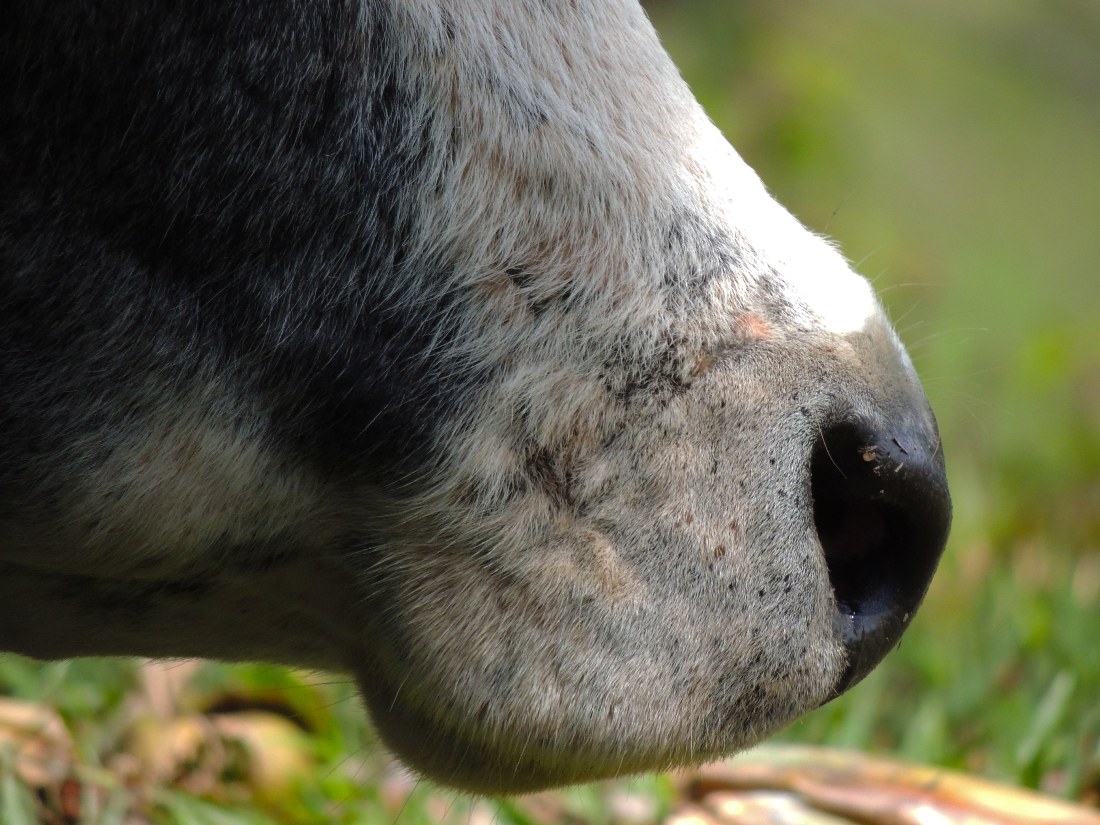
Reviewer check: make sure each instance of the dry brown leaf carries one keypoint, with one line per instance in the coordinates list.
(868, 790)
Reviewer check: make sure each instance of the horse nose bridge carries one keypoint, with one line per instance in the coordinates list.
(887, 393)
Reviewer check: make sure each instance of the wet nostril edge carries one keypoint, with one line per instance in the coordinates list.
(882, 513)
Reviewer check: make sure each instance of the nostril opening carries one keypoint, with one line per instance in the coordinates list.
(881, 512)
(852, 526)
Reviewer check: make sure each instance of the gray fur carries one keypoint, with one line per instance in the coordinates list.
(444, 343)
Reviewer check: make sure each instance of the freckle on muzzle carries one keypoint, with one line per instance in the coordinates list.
(882, 512)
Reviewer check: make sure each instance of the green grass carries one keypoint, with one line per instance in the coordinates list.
(347, 777)
(953, 150)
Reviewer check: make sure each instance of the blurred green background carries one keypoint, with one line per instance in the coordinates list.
(953, 149)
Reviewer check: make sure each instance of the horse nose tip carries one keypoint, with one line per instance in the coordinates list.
(882, 513)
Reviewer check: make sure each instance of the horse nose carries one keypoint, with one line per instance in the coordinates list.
(882, 513)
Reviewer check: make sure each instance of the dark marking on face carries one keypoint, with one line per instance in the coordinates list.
(151, 187)
(259, 557)
(549, 473)
(520, 276)
(698, 253)
(539, 292)
(524, 113)
(136, 600)
(661, 379)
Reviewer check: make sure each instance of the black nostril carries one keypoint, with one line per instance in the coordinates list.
(882, 513)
